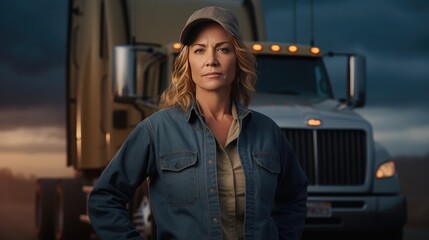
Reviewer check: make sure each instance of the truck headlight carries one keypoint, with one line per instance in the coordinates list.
(386, 170)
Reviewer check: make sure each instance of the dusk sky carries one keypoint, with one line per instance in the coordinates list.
(393, 34)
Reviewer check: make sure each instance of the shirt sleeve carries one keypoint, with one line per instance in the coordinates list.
(115, 187)
(290, 207)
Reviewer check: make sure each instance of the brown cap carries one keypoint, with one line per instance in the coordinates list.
(222, 16)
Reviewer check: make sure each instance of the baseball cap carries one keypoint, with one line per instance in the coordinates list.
(222, 16)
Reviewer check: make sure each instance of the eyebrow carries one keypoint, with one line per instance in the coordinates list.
(204, 45)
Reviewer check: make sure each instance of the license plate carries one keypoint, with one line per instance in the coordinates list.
(319, 209)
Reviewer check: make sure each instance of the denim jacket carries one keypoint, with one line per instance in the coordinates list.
(177, 151)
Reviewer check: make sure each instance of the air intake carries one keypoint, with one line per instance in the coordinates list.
(330, 157)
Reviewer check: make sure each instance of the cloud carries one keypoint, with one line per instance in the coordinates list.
(32, 62)
(385, 26)
(397, 82)
(20, 90)
(33, 140)
(33, 35)
(41, 116)
(402, 131)
(388, 27)
(38, 164)
(405, 141)
(32, 101)
(388, 119)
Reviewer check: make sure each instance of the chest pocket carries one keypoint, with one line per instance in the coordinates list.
(267, 169)
(179, 174)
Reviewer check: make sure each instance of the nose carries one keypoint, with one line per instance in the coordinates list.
(212, 59)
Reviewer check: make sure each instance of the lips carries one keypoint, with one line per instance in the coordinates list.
(212, 74)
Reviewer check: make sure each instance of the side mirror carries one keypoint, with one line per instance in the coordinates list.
(356, 80)
(124, 74)
(128, 66)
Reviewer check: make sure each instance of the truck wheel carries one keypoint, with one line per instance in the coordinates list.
(141, 214)
(70, 203)
(45, 196)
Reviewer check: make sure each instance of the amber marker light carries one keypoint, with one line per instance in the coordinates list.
(314, 122)
(275, 48)
(315, 50)
(292, 49)
(257, 47)
(386, 170)
(177, 46)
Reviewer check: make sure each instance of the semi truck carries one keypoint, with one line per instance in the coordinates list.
(120, 55)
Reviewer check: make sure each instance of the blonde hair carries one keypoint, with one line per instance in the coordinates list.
(181, 90)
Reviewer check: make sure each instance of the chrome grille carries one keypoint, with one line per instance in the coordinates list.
(330, 157)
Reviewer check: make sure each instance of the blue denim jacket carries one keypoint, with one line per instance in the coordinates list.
(178, 152)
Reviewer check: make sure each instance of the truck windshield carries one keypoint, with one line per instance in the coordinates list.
(305, 76)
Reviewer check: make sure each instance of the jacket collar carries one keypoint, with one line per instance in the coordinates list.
(193, 110)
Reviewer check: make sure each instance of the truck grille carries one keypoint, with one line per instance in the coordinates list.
(330, 157)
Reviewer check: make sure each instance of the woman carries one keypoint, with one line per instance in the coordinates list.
(217, 170)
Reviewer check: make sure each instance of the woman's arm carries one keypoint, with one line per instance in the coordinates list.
(290, 208)
(116, 185)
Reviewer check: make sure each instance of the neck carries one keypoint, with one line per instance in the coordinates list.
(214, 106)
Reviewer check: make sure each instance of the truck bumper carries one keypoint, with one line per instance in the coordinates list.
(359, 213)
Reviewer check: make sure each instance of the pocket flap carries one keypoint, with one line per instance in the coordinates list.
(178, 161)
(268, 161)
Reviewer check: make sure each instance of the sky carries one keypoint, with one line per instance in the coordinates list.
(392, 34)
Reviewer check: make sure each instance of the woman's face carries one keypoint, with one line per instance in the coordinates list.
(212, 59)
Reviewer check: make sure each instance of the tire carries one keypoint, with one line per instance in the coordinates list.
(70, 203)
(45, 197)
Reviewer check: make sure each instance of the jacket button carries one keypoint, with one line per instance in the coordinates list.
(177, 166)
(212, 190)
(214, 220)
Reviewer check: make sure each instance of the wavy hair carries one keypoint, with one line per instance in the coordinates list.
(181, 90)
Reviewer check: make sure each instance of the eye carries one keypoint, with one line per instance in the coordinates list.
(199, 50)
(224, 50)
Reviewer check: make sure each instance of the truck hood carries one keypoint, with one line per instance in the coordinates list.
(295, 111)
